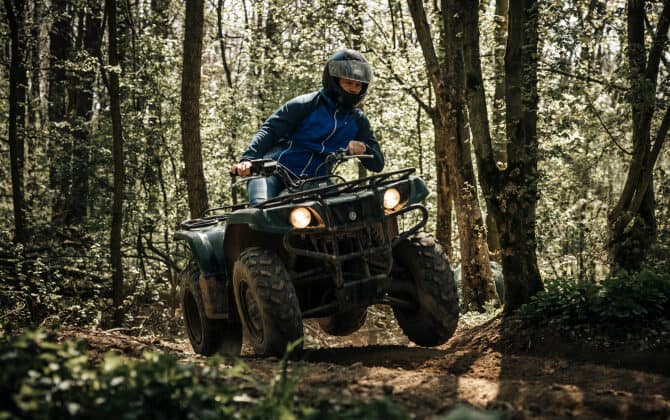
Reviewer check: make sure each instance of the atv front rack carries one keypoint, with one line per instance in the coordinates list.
(218, 214)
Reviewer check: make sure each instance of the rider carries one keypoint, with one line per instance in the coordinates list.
(302, 132)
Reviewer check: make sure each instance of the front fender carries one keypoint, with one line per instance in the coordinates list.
(270, 221)
(418, 190)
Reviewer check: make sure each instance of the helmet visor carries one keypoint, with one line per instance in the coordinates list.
(351, 69)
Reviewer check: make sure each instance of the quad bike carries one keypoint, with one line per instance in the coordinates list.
(325, 248)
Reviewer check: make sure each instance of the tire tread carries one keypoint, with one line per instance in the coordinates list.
(437, 317)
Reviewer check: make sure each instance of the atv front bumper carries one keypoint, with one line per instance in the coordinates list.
(370, 287)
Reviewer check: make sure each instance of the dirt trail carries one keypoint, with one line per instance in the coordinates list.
(492, 366)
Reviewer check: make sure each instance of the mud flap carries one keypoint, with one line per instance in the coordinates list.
(214, 297)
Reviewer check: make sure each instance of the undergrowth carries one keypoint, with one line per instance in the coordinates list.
(623, 301)
(43, 379)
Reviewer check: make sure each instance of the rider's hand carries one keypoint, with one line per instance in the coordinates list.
(242, 168)
(356, 147)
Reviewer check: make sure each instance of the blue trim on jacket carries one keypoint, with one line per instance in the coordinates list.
(303, 131)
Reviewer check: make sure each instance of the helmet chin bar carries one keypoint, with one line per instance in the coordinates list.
(344, 98)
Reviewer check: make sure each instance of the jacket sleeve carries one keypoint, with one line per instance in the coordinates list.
(278, 126)
(365, 135)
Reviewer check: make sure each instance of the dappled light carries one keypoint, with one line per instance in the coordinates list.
(335, 209)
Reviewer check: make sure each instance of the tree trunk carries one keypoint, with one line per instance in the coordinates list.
(222, 42)
(492, 236)
(60, 142)
(485, 146)
(443, 186)
(632, 222)
(36, 103)
(153, 130)
(356, 27)
(190, 108)
(500, 38)
(119, 170)
(449, 84)
(33, 100)
(498, 120)
(78, 201)
(516, 220)
(18, 81)
(478, 287)
(511, 192)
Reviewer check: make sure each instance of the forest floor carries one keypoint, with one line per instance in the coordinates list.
(496, 365)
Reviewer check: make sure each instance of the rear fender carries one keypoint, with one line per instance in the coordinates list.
(207, 248)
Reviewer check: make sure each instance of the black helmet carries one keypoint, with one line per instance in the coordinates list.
(347, 64)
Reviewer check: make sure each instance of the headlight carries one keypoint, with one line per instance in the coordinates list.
(300, 217)
(391, 198)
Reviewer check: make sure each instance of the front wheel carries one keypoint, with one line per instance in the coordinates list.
(426, 267)
(207, 336)
(266, 301)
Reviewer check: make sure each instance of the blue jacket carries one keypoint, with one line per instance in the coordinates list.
(303, 131)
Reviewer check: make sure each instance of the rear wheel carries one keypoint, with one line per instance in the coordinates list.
(207, 336)
(266, 301)
(344, 323)
(426, 266)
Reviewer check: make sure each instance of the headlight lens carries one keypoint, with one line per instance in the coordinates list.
(391, 198)
(300, 217)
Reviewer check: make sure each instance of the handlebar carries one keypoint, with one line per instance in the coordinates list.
(268, 167)
(260, 167)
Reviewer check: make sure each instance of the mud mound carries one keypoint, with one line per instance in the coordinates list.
(585, 343)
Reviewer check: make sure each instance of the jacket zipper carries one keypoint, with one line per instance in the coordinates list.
(323, 144)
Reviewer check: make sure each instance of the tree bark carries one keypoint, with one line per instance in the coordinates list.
(500, 38)
(498, 115)
(190, 108)
(119, 169)
(443, 185)
(516, 220)
(18, 81)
